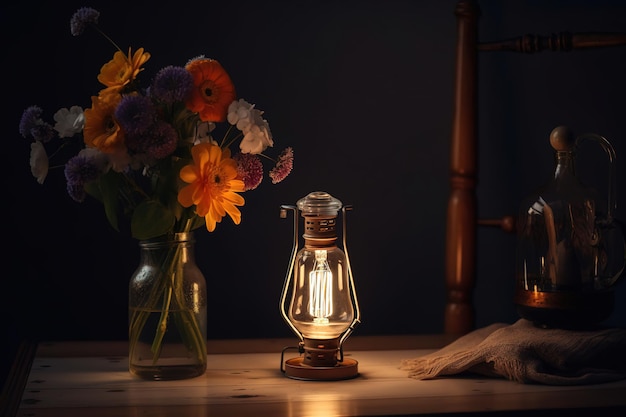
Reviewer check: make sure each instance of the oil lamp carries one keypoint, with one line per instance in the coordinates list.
(318, 299)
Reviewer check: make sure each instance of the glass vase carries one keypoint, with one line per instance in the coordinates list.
(167, 311)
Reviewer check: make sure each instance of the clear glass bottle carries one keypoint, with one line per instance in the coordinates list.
(566, 260)
(167, 311)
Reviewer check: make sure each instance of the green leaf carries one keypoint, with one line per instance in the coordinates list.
(151, 219)
(197, 222)
(107, 189)
(93, 189)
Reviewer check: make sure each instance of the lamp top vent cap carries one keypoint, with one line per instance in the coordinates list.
(319, 203)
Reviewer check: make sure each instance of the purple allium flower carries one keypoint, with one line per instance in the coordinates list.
(164, 141)
(77, 192)
(172, 84)
(43, 132)
(249, 169)
(79, 171)
(30, 119)
(158, 142)
(135, 114)
(135, 143)
(82, 18)
(283, 167)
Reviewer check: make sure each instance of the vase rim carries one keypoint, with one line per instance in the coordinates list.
(178, 237)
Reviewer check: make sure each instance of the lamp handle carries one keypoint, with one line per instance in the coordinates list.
(355, 302)
(287, 282)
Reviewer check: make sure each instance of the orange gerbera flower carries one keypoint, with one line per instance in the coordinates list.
(213, 184)
(213, 92)
(122, 69)
(101, 130)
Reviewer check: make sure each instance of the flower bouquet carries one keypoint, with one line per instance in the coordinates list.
(151, 155)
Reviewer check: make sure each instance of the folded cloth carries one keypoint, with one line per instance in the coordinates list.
(526, 353)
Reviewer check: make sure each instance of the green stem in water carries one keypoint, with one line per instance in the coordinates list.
(168, 289)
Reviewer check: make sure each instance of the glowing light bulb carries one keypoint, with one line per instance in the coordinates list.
(321, 289)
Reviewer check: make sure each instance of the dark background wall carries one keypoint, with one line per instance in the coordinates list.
(363, 92)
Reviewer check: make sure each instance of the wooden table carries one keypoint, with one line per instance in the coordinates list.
(243, 379)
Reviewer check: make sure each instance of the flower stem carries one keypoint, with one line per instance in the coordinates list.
(168, 291)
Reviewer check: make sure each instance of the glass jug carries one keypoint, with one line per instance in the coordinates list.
(570, 249)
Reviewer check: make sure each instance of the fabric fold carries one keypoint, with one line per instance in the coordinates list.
(526, 353)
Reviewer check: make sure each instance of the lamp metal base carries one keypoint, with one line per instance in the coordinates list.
(295, 369)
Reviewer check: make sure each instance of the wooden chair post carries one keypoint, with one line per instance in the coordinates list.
(460, 251)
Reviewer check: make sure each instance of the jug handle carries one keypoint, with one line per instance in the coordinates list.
(612, 201)
(608, 148)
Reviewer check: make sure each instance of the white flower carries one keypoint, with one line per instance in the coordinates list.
(256, 140)
(257, 135)
(239, 114)
(69, 122)
(38, 161)
(203, 133)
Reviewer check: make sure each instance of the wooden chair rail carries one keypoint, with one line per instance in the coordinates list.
(556, 42)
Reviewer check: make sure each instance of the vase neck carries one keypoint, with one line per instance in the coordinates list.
(177, 248)
(169, 239)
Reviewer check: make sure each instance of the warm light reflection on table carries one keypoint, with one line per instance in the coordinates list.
(320, 405)
(251, 384)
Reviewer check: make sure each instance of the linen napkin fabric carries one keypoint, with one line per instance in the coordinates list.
(526, 353)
